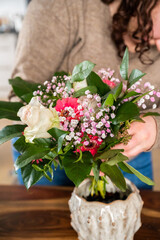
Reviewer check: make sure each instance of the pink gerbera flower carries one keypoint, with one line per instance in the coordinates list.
(63, 107)
(109, 83)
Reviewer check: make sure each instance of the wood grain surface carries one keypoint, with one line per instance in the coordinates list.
(42, 213)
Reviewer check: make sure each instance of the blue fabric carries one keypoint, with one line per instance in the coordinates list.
(142, 163)
(60, 178)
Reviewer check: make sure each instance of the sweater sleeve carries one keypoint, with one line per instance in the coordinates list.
(157, 141)
(43, 41)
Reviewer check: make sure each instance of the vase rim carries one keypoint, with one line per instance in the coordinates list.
(134, 190)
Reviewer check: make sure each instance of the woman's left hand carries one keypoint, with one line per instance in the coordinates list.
(143, 137)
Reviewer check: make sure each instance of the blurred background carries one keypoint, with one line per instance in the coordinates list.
(12, 13)
(11, 16)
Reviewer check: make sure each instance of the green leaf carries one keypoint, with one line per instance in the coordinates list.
(31, 153)
(21, 87)
(51, 155)
(117, 90)
(96, 169)
(130, 94)
(81, 71)
(60, 74)
(60, 142)
(139, 97)
(9, 110)
(110, 153)
(115, 175)
(59, 135)
(9, 132)
(124, 65)
(56, 133)
(37, 168)
(50, 169)
(21, 145)
(82, 91)
(94, 80)
(47, 176)
(44, 142)
(139, 175)
(151, 114)
(69, 86)
(126, 111)
(134, 77)
(116, 159)
(124, 167)
(27, 97)
(109, 100)
(30, 176)
(77, 171)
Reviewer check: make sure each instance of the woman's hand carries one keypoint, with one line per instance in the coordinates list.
(143, 137)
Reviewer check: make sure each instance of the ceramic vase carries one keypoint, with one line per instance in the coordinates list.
(118, 220)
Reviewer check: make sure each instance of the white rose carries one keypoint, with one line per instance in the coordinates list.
(39, 120)
(78, 85)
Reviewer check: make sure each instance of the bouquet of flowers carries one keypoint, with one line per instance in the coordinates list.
(74, 121)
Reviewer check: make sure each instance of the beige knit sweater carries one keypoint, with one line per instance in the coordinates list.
(58, 34)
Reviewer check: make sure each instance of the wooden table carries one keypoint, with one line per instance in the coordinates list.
(42, 213)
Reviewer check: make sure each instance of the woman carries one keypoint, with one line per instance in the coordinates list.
(58, 34)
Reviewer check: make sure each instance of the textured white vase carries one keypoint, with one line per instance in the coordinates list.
(118, 220)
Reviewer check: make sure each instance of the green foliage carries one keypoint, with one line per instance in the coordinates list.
(94, 80)
(126, 111)
(22, 88)
(30, 176)
(31, 153)
(82, 91)
(9, 110)
(109, 101)
(117, 91)
(9, 132)
(138, 174)
(59, 135)
(115, 175)
(96, 169)
(151, 114)
(124, 65)
(81, 71)
(134, 77)
(130, 94)
(77, 171)
(21, 145)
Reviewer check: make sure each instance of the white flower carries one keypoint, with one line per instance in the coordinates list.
(79, 85)
(113, 115)
(103, 135)
(45, 83)
(68, 137)
(98, 99)
(39, 120)
(72, 134)
(144, 106)
(88, 130)
(154, 106)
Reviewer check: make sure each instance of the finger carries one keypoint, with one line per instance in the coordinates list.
(133, 152)
(158, 44)
(119, 146)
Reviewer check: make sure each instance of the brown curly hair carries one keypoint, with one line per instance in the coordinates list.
(142, 11)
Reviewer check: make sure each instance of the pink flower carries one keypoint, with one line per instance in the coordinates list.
(37, 161)
(61, 106)
(109, 83)
(93, 145)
